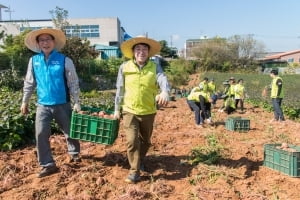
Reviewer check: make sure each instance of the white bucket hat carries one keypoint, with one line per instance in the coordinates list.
(127, 46)
(31, 38)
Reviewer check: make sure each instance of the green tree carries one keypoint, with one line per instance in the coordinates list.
(213, 54)
(220, 54)
(59, 17)
(75, 48)
(246, 49)
(179, 70)
(17, 52)
(78, 49)
(167, 51)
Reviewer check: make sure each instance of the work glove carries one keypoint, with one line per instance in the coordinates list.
(117, 115)
(24, 109)
(162, 99)
(77, 107)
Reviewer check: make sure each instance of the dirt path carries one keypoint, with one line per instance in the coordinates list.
(239, 175)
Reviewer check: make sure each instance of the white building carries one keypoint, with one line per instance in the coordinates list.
(103, 31)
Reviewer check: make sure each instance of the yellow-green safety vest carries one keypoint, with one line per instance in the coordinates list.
(239, 91)
(140, 88)
(194, 96)
(204, 86)
(275, 89)
(212, 87)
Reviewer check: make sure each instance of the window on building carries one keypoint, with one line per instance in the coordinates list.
(83, 31)
(23, 28)
(290, 60)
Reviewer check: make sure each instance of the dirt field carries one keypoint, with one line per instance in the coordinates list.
(240, 175)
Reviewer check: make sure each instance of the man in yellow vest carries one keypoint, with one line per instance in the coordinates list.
(138, 82)
(277, 95)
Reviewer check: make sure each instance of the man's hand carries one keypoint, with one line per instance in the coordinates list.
(77, 107)
(117, 115)
(24, 109)
(162, 99)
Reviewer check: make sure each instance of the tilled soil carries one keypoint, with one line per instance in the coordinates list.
(239, 174)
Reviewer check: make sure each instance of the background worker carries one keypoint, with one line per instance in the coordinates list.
(277, 95)
(193, 102)
(54, 77)
(228, 98)
(239, 94)
(213, 91)
(204, 85)
(137, 87)
(205, 106)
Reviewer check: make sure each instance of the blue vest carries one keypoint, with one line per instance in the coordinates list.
(50, 78)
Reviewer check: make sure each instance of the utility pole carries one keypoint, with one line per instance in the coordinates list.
(9, 11)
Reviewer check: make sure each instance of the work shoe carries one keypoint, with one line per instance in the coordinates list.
(133, 178)
(199, 125)
(75, 158)
(142, 167)
(46, 171)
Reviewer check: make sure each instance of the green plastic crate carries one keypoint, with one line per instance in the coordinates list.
(237, 124)
(282, 160)
(93, 128)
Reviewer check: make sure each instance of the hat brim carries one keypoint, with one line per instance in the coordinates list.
(127, 46)
(31, 42)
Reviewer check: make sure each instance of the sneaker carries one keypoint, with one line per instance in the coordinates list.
(208, 121)
(46, 171)
(75, 158)
(132, 178)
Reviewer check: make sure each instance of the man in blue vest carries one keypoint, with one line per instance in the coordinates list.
(54, 77)
(138, 82)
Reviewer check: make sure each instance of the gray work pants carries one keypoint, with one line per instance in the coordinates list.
(44, 116)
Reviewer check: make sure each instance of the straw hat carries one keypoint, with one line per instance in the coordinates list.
(31, 42)
(127, 46)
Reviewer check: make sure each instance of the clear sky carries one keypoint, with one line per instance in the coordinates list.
(275, 23)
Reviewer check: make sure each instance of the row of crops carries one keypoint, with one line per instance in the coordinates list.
(17, 130)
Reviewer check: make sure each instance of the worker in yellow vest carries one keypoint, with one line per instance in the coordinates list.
(138, 82)
(205, 106)
(204, 85)
(213, 92)
(194, 104)
(277, 95)
(239, 94)
(228, 97)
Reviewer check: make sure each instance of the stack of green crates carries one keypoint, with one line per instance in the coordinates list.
(94, 128)
(237, 124)
(282, 160)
